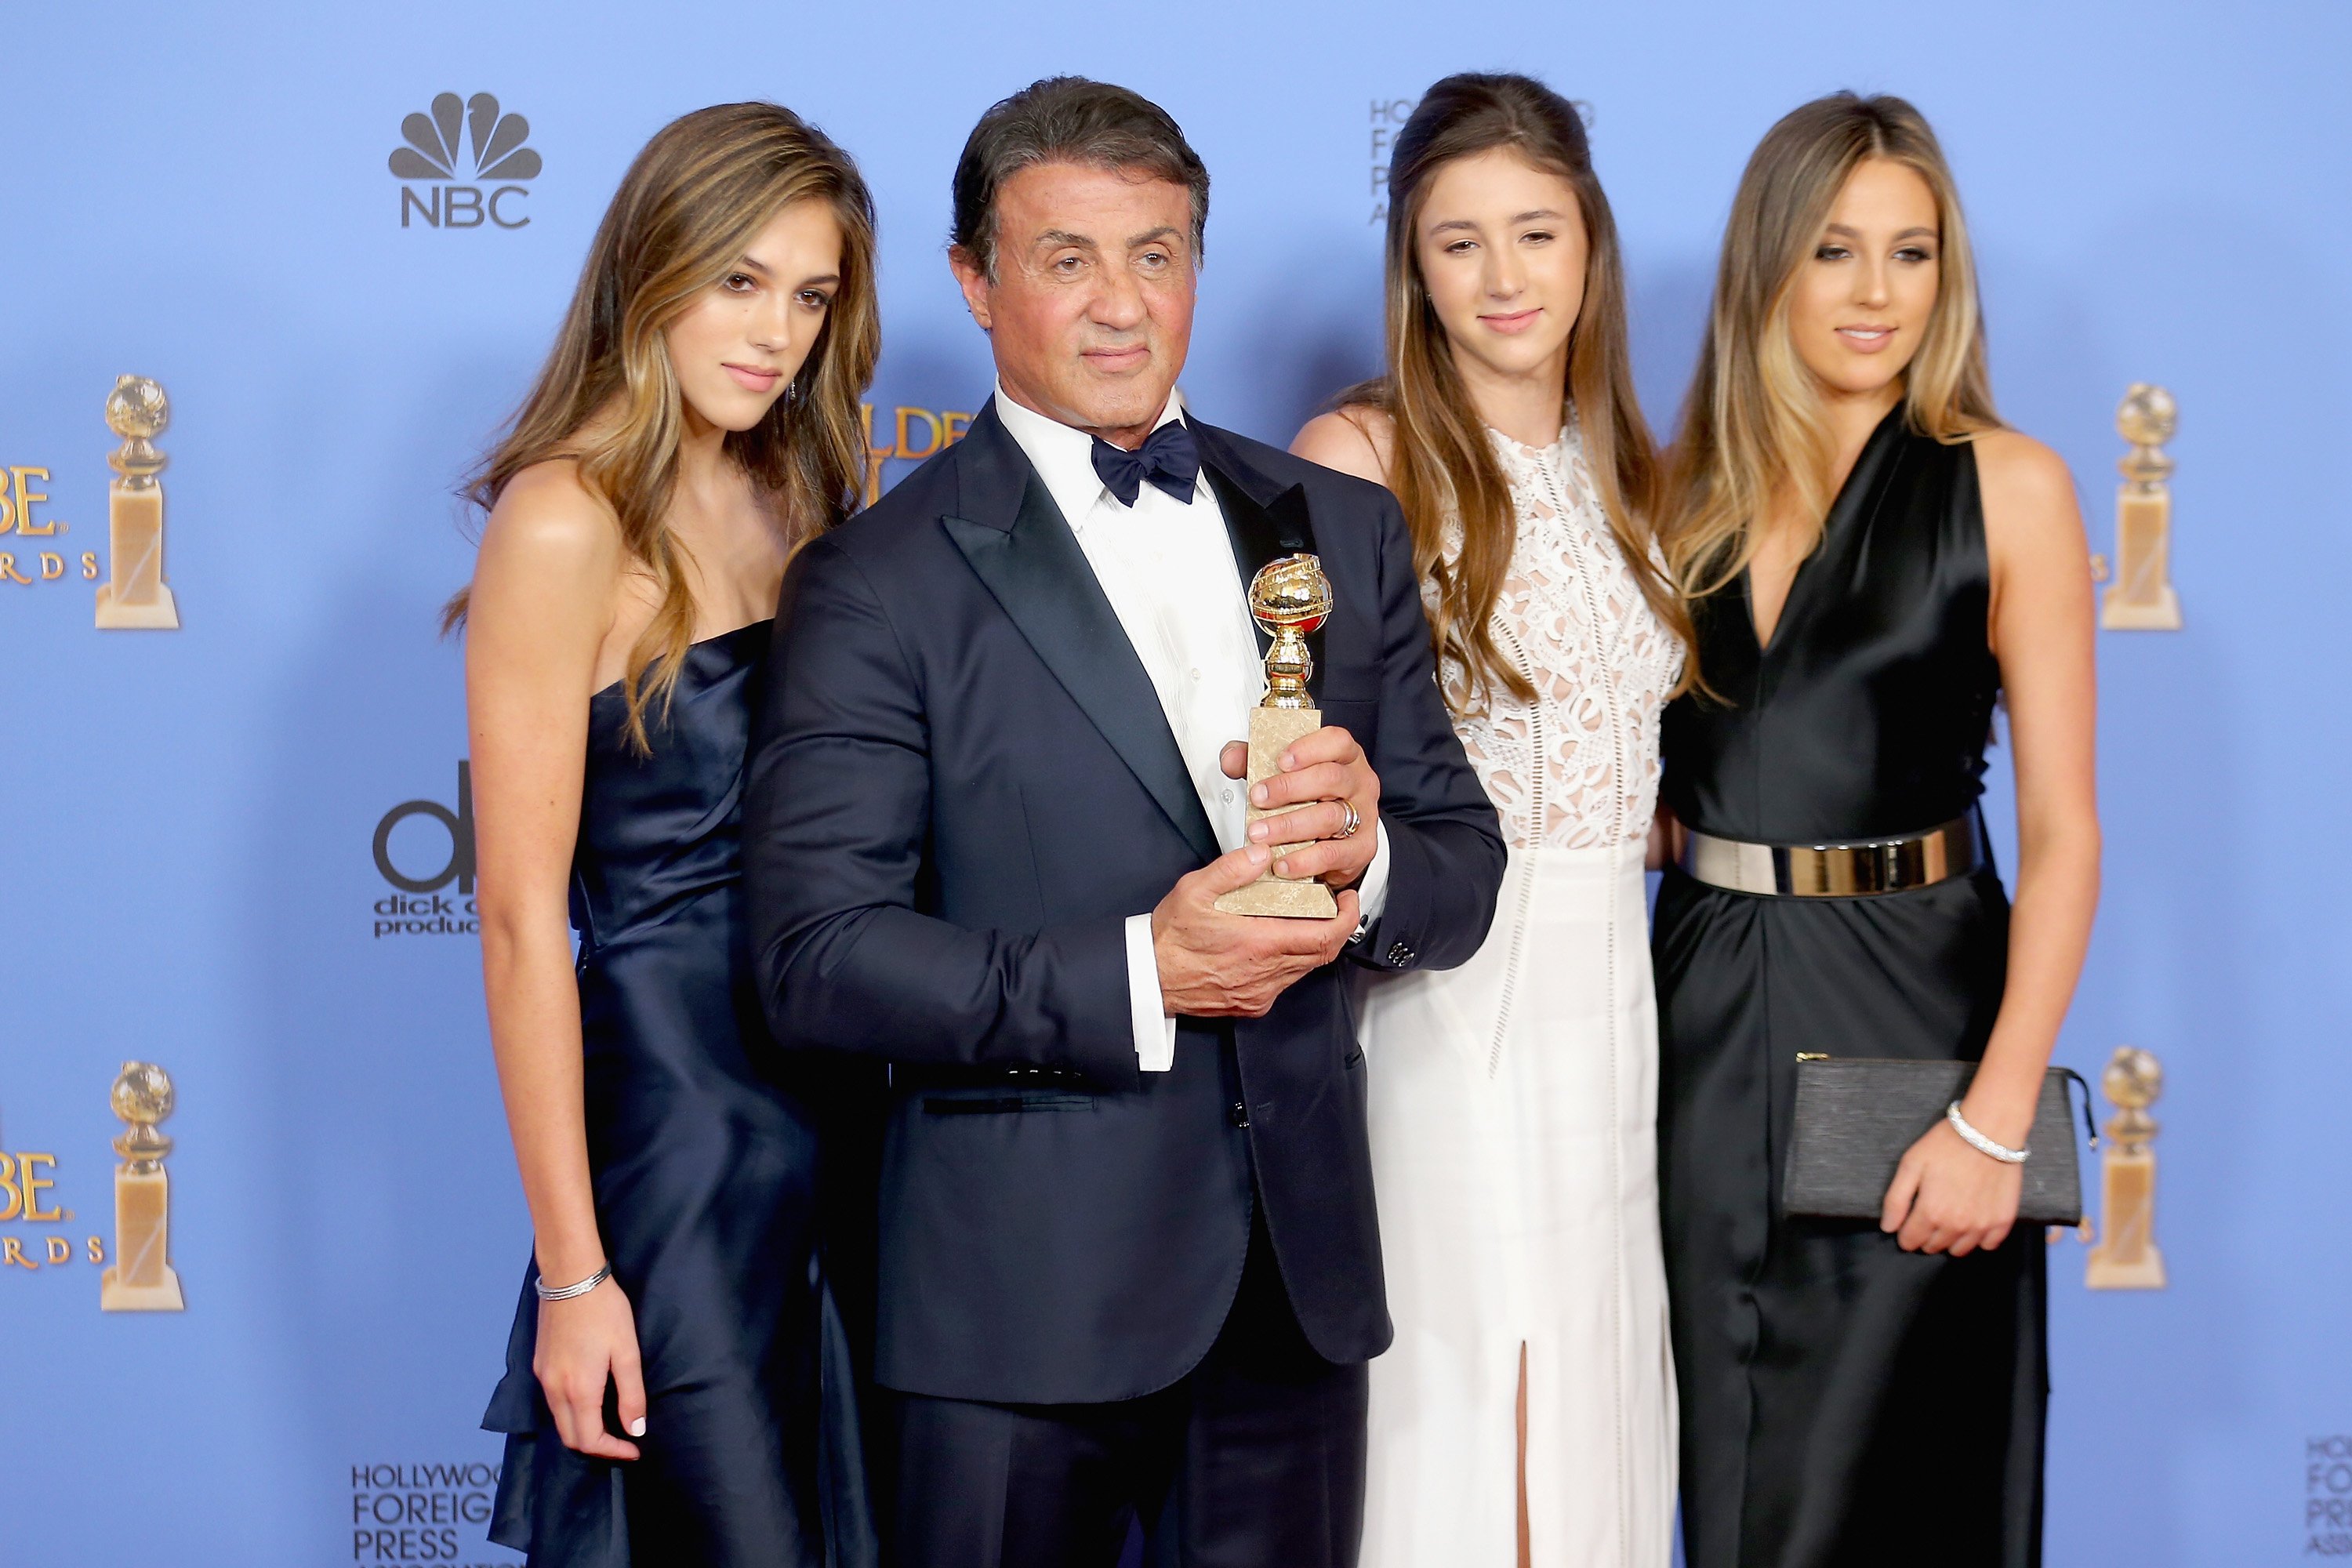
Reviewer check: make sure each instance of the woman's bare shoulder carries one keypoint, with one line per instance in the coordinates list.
(547, 515)
(2015, 460)
(552, 558)
(1356, 439)
(2028, 491)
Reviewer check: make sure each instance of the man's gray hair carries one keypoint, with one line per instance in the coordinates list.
(1068, 119)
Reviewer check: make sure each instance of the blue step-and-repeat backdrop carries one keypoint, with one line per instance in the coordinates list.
(240, 849)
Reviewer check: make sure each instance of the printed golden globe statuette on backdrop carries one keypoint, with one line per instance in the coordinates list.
(2126, 1256)
(1289, 597)
(140, 1278)
(947, 426)
(2141, 597)
(135, 595)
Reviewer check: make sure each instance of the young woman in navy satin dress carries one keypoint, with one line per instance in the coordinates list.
(679, 1384)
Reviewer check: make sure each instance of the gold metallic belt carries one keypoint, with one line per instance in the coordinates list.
(1834, 870)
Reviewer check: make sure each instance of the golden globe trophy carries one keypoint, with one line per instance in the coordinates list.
(2126, 1256)
(1289, 597)
(2141, 598)
(134, 597)
(140, 1278)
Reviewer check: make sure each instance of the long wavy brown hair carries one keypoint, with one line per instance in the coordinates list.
(1441, 466)
(698, 194)
(1753, 433)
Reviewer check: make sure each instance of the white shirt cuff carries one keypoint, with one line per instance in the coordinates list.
(1372, 890)
(1155, 1032)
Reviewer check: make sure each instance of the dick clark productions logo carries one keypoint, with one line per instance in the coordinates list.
(419, 907)
(492, 156)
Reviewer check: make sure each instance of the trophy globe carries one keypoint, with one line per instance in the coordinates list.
(2134, 1081)
(142, 1097)
(2148, 418)
(1290, 597)
(138, 411)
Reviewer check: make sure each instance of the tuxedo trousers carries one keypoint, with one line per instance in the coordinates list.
(1252, 1459)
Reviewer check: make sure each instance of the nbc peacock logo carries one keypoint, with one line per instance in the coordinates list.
(492, 155)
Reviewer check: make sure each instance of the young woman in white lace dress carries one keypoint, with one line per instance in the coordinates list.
(1526, 1412)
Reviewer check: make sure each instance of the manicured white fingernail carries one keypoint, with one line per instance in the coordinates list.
(638, 1427)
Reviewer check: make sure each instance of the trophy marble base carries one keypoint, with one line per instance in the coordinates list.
(141, 1278)
(1281, 898)
(1271, 730)
(2145, 1273)
(2160, 613)
(2141, 598)
(160, 614)
(2126, 1256)
(134, 597)
(114, 1296)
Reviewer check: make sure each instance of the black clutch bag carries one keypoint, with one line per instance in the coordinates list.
(1857, 1115)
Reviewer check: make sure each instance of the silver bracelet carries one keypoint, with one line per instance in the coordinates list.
(1979, 1141)
(565, 1293)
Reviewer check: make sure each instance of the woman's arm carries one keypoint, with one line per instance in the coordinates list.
(1665, 846)
(542, 606)
(2041, 631)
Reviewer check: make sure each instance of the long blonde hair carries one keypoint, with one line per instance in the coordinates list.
(1441, 466)
(698, 194)
(1752, 427)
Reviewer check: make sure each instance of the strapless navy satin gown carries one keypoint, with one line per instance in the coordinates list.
(703, 1141)
(1845, 1403)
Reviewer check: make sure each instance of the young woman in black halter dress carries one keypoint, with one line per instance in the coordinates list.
(679, 1384)
(1873, 561)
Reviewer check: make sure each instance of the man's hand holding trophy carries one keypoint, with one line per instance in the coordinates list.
(1312, 793)
(1314, 814)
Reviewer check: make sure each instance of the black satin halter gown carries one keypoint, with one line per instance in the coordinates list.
(1844, 1402)
(703, 1145)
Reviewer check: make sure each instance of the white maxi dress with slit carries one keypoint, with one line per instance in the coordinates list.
(1514, 1103)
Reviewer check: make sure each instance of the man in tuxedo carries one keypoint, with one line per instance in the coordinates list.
(1129, 1259)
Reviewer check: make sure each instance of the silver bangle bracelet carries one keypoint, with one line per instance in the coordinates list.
(1979, 1141)
(565, 1292)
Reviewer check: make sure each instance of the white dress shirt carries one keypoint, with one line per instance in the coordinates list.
(1168, 570)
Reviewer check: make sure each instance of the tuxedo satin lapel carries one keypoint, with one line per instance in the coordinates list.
(1263, 517)
(1042, 581)
(991, 470)
(1261, 529)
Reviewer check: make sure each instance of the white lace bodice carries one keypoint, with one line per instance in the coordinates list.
(1579, 767)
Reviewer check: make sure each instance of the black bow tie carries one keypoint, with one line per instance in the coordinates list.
(1169, 458)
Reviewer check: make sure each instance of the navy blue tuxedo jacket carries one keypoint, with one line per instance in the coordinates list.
(960, 785)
